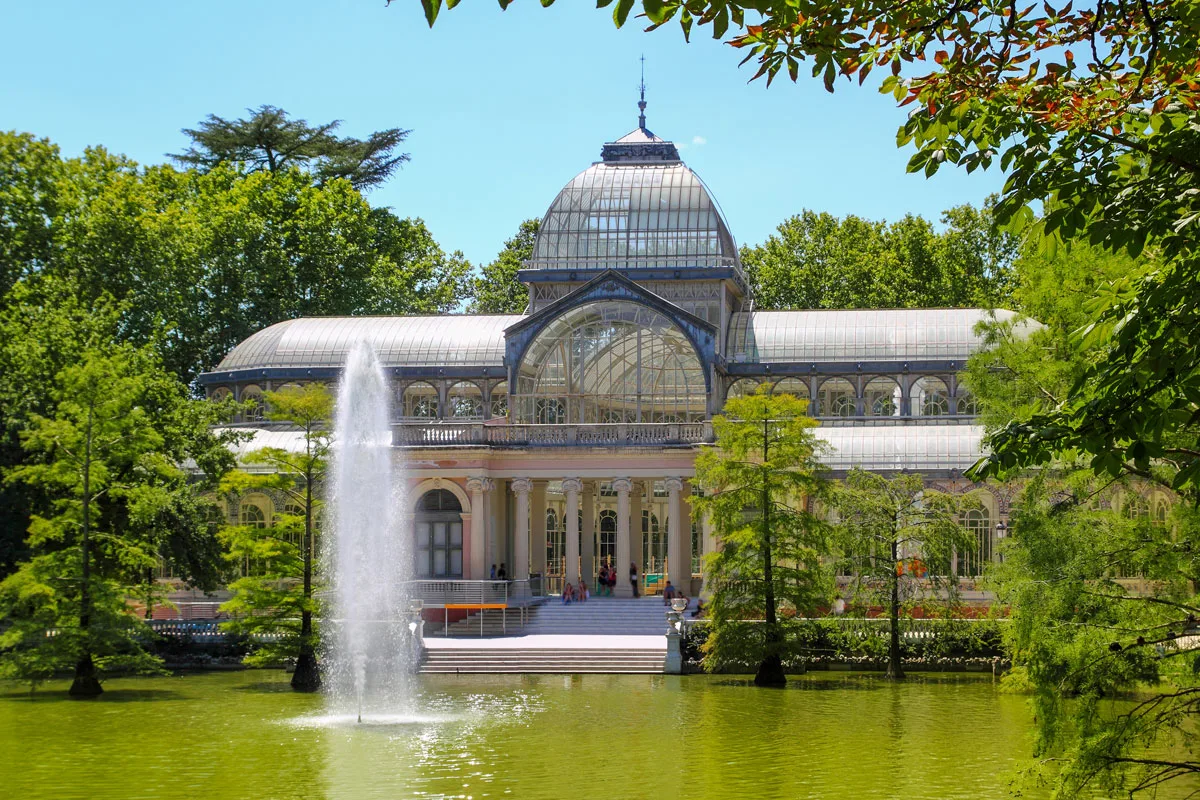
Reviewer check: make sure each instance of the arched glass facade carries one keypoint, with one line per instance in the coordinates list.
(610, 362)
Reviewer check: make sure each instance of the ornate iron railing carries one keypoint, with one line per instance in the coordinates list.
(436, 433)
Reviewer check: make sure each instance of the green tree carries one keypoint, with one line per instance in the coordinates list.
(898, 540)
(496, 290)
(214, 257)
(29, 174)
(107, 457)
(757, 481)
(276, 596)
(270, 140)
(1102, 587)
(816, 260)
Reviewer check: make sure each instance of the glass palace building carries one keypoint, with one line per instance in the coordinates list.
(562, 438)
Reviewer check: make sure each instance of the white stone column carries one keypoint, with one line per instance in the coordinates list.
(571, 488)
(520, 567)
(587, 545)
(537, 547)
(623, 486)
(677, 573)
(479, 554)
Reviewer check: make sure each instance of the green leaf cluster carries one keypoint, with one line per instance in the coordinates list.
(816, 260)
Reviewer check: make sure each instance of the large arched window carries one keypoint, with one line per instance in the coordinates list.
(438, 535)
(255, 512)
(930, 397)
(612, 361)
(967, 404)
(654, 544)
(606, 550)
(464, 400)
(742, 388)
(257, 410)
(835, 398)
(796, 387)
(420, 401)
(979, 523)
(881, 398)
(500, 400)
(556, 546)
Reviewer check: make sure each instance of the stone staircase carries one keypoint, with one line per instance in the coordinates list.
(542, 660)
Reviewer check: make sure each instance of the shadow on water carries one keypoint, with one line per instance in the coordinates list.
(863, 681)
(109, 696)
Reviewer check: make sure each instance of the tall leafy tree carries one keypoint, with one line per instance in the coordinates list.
(1103, 590)
(496, 290)
(107, 456)
(898, 539)
(276, 596)
(271, 140)
(757, 481)
(30, 170)
(816, 260)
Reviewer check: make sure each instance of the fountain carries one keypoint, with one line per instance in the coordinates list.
(367, 638)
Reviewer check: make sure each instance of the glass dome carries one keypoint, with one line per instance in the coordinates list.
(610, 362)
(639, 207)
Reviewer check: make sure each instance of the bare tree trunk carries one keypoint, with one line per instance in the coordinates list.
(86, 684)
(894, 669)
(307, 677)
(770, 671)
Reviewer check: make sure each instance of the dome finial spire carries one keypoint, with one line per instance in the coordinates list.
(642, 101)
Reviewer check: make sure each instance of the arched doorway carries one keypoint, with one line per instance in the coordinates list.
(438, 536)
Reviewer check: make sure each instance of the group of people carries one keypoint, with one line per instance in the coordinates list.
(499, 574)
(606, 582)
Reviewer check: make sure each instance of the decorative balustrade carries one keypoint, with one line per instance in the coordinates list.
(448, 432)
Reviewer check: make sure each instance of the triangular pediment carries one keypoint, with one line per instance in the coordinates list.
(609, 285)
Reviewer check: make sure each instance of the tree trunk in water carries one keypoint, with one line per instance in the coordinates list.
(86, 684)
(307, 677)
(770, 671)
(894, 670)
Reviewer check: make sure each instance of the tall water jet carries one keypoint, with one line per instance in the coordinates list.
(367, 554)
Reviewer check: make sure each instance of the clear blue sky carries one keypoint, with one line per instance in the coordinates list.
(504, 107)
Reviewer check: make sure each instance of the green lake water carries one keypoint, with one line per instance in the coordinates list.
(246, 735)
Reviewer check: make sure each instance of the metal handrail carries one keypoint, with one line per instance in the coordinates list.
(450, 432)
(437, 593)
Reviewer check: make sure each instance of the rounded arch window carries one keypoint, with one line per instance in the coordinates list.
(219, 394)
(610, 361)
(978, 523)
(1134, 506)
(253, 513)
(464, 400)
(606, 542)
(881, 397)
(438, 535)
(257, 410)
(420, 401)
(796, 387)
(835, 398)
(500, 400)
(930, 397)
(742, 387)
(967, 404)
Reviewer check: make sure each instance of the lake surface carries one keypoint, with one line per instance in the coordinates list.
(246, 735)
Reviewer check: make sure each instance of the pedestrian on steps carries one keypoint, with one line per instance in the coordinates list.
(633, 577)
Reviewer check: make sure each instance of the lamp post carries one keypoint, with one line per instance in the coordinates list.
(1001, 533)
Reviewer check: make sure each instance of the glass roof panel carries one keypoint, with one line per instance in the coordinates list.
(815, 336)
(897, 447)
(624, 215)
(450, 340)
